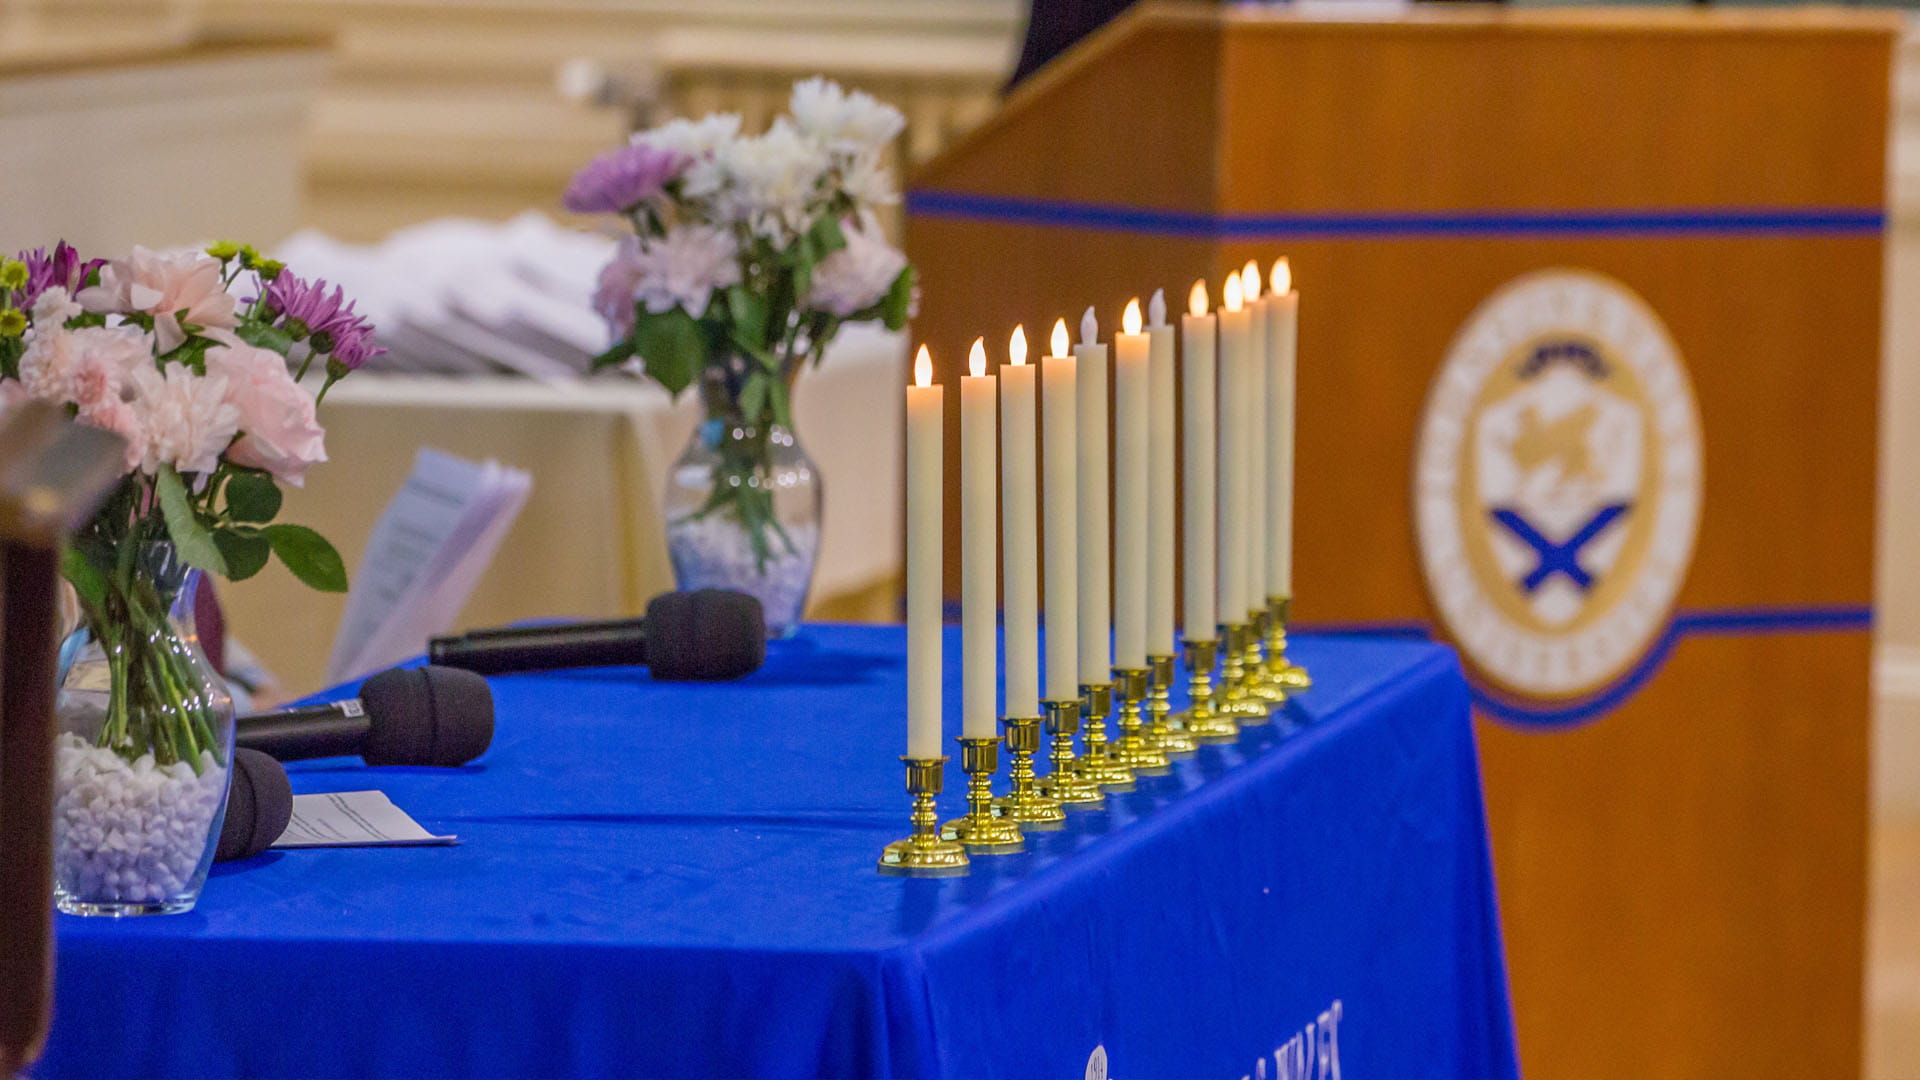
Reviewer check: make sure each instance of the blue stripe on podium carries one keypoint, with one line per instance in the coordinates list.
(1733, 221)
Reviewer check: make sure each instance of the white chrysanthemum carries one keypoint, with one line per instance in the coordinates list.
(694, 138)
(187, 418)
(54, 307)
(858, 275)
(868, 180)
(771, 183)
(847, 122)
(684, 267)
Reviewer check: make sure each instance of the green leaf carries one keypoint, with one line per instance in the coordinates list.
(309, 556)
(266, 337)
(252, 496)
(246, 553)
(749, 311)
(898, 301)
(827, 237)
(620, 353)
(753, 396)
(672, 348)
(777, 397)
(86, 578)
(189, 536)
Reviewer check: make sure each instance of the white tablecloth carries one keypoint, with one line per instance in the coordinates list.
(590, 540)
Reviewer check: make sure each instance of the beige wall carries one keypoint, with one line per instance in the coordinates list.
(1897, 671)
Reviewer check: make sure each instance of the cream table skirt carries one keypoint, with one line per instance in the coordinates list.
(590, 540)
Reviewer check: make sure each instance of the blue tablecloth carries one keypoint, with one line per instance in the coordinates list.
(677, 880)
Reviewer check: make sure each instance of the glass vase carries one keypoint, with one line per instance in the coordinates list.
(743, 513)
(144, 750)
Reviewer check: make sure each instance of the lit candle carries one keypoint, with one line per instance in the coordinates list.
(1198, 457)
(1058, 446)
(1230, 591)
(1283, 325)
(1020, 531)
(925, 407)
(979, 571)
(1256, 452)
(1096, 597)
(1131, 350)
(1160, 465)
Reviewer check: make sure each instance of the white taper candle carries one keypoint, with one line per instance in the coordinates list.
(1130, 437)
(1199, 457)
(1059, 445)
(979, 551)
(1283, 335)
(925, 408)
(1096, 575)
(1257, 425)
(1161, 459)
(1020, 532)
(1231, 588)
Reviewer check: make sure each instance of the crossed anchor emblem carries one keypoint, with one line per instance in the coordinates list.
(1562, 557)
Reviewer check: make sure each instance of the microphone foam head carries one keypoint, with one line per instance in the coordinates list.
(427, 716)
(259, 805)
(708, 634)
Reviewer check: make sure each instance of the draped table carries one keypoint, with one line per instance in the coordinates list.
(677, 880)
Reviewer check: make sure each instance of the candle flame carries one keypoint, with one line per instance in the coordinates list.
(1250, 281)
(1282, 276)
(1157, 308)
(923, 368)
(977, 358)
(1235, 298)
(1197, 303)
(1089, 328)
(1060, 340)
(1017, 346)
(1130, 319)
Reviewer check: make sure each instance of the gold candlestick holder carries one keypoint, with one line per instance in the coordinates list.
(1235, 703)
(1024, 803)
(1099, 763)
(1289, 676)
(1260, 684)
(979, 829)
(1202, 720)
(1173, 741)
(1132, 748)
(1065, 785)
(924, 854)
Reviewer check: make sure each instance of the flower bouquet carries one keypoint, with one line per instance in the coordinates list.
(748, 254)
(157, 348)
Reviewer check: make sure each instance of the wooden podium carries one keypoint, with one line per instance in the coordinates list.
(1679, 831)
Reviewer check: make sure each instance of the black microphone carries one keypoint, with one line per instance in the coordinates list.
(406, 716)
(259, 805)
(708, 634)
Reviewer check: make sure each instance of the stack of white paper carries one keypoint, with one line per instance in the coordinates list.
(425, 556)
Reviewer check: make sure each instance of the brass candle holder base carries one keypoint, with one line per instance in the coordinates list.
(1025, 804)
(1132, 748)
(1161, 732)
(1235, 703)
(1287, 675)
(1065, 785)
(979, 830)
(1201, 720)
(924, 854)
(1261, 686)
(1099, 763)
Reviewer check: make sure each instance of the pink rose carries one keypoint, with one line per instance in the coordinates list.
(276, 416)
(173, 288)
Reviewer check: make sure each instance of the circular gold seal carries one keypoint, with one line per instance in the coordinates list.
(1557, 482)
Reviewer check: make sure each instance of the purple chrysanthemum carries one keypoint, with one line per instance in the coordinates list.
(326, 320)
(616, 182)
(63, 267)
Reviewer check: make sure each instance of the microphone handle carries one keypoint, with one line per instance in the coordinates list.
(316, 731)
(612, 643)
